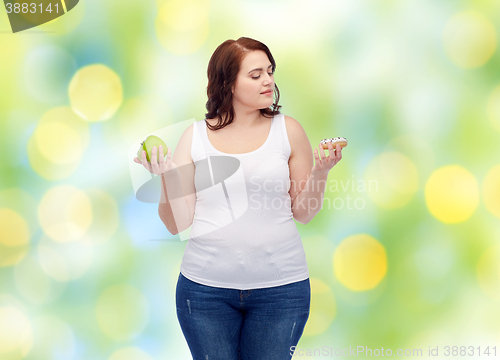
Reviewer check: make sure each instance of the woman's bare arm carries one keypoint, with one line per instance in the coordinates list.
(177, 202)
(308, 182)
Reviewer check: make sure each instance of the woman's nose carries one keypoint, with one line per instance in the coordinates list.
(268, 79)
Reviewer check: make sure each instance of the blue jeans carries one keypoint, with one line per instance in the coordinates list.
(232, 324)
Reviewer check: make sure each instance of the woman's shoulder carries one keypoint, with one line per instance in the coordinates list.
(296, 134)
(290, 121)
(182, 153)
(293, 127)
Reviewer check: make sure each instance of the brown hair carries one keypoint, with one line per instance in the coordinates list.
(222, 72)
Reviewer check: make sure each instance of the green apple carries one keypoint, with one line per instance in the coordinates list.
(148, 144)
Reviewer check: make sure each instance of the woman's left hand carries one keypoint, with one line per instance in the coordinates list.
(326, 163)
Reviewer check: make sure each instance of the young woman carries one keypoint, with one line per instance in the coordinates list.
(243, 290)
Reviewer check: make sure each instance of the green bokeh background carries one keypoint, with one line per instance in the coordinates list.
(380, 73)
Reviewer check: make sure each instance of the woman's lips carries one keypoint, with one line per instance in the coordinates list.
(269, 92)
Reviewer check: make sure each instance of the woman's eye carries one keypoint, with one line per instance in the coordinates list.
(256, 77)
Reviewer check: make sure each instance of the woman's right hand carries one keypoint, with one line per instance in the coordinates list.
(157, 167)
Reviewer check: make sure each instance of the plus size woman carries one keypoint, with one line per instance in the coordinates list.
(243, 291)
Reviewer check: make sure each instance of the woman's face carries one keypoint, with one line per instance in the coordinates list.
(255, 76)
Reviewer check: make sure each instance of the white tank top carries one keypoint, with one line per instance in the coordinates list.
(243, 234)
